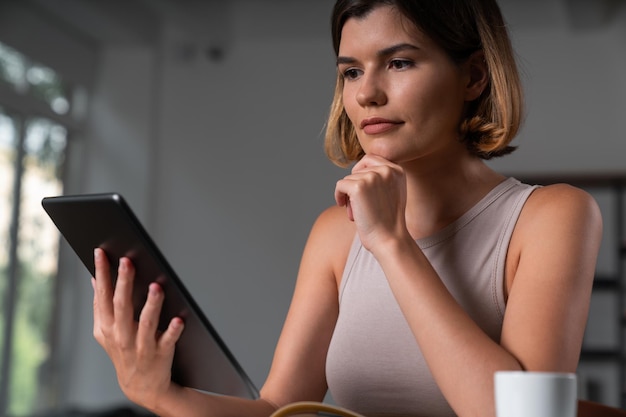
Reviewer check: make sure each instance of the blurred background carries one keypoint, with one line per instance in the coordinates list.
(208, 116)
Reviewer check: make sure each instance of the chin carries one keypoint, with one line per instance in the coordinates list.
(393, 156)
(389, 153)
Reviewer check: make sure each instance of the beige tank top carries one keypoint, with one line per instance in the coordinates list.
(374, 365)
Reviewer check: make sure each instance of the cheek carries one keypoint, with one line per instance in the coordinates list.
(434, 101)
(349, 103)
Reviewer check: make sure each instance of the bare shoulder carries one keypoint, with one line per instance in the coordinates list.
(562, 203)
(557, 214)
(331, 238)
(335, 217)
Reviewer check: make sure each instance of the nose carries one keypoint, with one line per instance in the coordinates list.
(371, 91)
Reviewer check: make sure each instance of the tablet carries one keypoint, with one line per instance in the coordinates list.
(201, 360)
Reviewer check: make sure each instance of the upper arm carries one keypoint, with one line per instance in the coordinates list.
(298, 367)
(550, 275)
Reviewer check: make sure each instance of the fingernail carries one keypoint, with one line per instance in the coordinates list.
(96, 253)
(177, 323)
(154, 289)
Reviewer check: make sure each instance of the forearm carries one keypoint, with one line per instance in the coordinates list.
(460, 355)
(191, 403)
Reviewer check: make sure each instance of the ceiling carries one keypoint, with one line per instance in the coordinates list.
(128, 21)
(138, 21)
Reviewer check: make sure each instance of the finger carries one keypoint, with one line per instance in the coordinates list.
(123, 302)
(344, 190)
(97, 332)
(172, 334)
(346, 187)
(149, 316)
(349, 211)
(369, 161)
(341, 197)
(343, 200)
(103, 288)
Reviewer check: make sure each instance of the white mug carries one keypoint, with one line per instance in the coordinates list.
(535, 394)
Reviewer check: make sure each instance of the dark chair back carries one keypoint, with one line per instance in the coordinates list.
(595, 409)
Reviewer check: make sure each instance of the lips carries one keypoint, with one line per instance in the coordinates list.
(377, 125)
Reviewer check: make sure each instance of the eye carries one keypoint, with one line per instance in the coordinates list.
(400, 64)
(351, 73)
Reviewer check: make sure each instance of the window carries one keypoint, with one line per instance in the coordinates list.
(33, 143)
(33, 79)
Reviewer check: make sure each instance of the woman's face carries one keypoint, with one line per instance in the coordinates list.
(401, 91)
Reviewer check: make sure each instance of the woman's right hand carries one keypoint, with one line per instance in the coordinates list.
(142, 355)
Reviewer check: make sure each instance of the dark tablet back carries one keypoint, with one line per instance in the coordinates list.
(202, 360)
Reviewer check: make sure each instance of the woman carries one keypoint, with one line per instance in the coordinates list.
(433, 271)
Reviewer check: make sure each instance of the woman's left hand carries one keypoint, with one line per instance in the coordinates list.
(374, 195)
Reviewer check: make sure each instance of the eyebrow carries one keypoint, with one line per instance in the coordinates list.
(381, 54)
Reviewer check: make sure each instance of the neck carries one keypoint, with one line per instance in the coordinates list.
(440, 194)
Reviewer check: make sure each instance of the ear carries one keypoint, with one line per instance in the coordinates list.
(477, 75)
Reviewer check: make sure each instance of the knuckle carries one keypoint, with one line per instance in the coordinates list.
(118, 302)
(98, 336)
(387, 172)
(143, 349)
(104, 332)
(126, 346)
(147, 322)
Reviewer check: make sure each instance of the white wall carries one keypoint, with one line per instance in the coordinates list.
(240, 170)
(574, 69)
(223, 160)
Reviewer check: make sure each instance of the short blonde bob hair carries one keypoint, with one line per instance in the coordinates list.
(459, 27)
